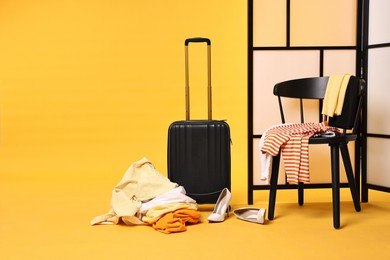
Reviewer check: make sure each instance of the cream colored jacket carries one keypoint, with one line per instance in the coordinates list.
(140, 183)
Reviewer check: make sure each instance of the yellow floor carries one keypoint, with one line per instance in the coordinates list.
(49, 219)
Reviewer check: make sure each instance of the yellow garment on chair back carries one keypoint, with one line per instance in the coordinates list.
(335, 94)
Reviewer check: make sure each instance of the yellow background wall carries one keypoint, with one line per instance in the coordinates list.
(88, 87)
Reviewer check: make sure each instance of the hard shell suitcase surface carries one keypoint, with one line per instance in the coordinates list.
(199, 150)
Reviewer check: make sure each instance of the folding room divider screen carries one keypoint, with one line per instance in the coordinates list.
(303, 38)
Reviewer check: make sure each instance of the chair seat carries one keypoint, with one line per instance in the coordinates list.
(332, 140)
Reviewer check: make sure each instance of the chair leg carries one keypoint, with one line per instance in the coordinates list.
(300, 193)
(335, 161)
(350, 176)
(273, 186)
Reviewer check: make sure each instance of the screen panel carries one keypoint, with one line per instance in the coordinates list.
(378, 163)
(378, 95)
(323, 22)
(271, 67)
(339, 62)
(379, 21)
(269, 23)
(376, 64)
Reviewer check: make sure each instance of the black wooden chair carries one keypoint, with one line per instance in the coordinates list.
(348, 121)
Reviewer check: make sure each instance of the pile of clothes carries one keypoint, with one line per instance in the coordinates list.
(145, 197)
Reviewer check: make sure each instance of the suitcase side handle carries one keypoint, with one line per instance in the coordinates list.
(187, 87)
(197, 39)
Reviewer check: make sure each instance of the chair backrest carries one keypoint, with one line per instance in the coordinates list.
(314, 88)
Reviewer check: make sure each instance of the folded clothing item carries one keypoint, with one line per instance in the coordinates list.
(155, 213)
(171, 196)
(176, 221)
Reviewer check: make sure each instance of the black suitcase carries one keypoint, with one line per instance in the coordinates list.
(199, 150)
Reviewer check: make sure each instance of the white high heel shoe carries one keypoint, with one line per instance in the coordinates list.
(221, 209)
(256, 215)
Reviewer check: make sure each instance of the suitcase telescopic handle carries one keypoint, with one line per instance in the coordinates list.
(198, 40)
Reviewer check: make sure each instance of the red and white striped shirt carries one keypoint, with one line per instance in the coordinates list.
(293, 141)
